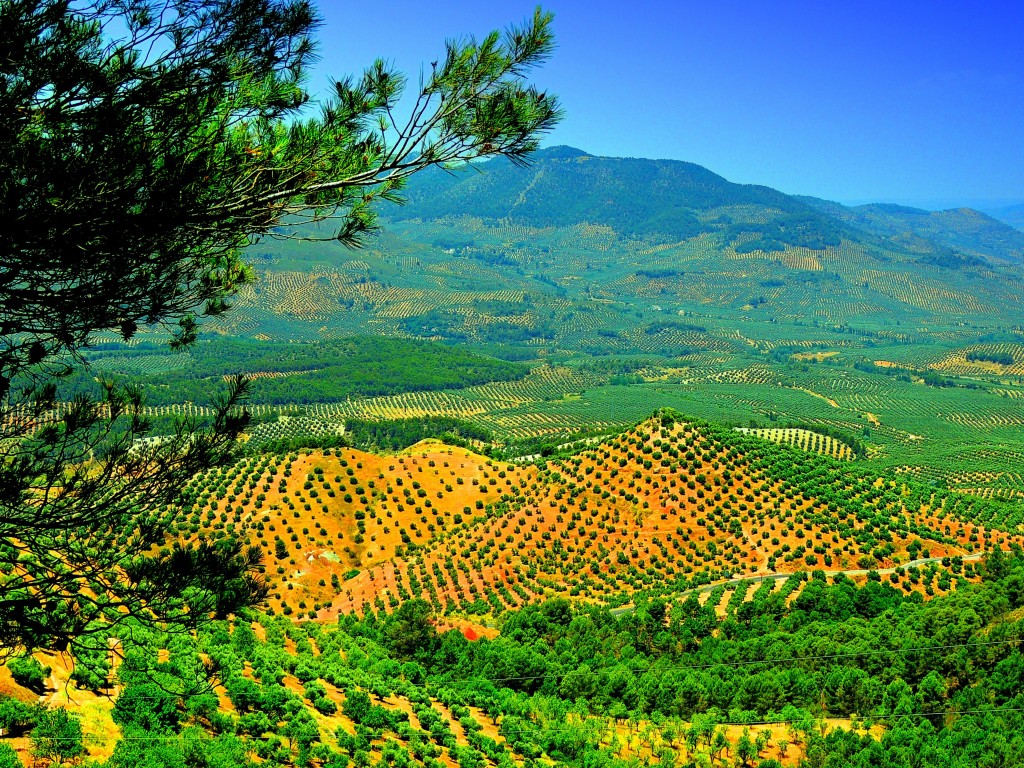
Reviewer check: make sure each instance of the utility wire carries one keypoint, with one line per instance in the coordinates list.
(889, 716)
(674, 667)
(751, 662)
(541, 729)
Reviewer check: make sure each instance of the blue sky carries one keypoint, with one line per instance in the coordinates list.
(905, 101)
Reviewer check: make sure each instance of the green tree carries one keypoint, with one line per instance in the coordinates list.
(243, 639)
(301, 731)
(720, 745)
(280, 549)
(931, 693)
(57, 737)
(357, 705)
(9, 758)
(146, 706)
(763, 740)
(410, 631)
(92, 667)
(193, 748)
(145, 146)
(28, 672)
(17, 716)
(746, 748)
(783, 745)
(995, 564)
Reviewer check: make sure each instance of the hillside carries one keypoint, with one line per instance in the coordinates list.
(349, 428)
(839, 674)
(579, 252)
(565, 187)
(678, 591)
(667, 506)
(954, 238)
(623, 285)
(676, 200)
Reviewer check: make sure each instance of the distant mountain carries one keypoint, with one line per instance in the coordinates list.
(1012, 215)
(962, 230)
(663, 199)
(579, 254)
(673, 200)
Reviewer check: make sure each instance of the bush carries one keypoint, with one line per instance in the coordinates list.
(29, 673)
(9, 758)
(324, 706)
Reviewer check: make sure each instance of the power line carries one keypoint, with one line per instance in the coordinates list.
(543, 730)
(676, 667)
(889, 716)
(750, 662)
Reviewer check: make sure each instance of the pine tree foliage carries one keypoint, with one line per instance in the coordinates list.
(146, 143)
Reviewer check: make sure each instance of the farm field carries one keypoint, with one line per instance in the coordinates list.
(969, 438)
(663, 507)
(910, 413)
(535, 321)
(440, 606)
(805, 439)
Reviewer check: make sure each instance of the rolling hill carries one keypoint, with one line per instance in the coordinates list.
(664, 507)
(622, 285)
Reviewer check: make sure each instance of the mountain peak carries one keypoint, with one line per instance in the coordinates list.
(560, 152)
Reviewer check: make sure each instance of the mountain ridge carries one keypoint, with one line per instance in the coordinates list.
(680, 199)
(604, 190)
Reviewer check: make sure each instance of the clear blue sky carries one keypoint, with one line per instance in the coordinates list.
(907, 101)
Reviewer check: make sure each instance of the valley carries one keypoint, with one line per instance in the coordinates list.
(363, 421)
(709, 475)
(897, 327)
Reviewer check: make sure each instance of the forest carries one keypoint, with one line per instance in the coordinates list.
(842, 676)
(291, 373)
